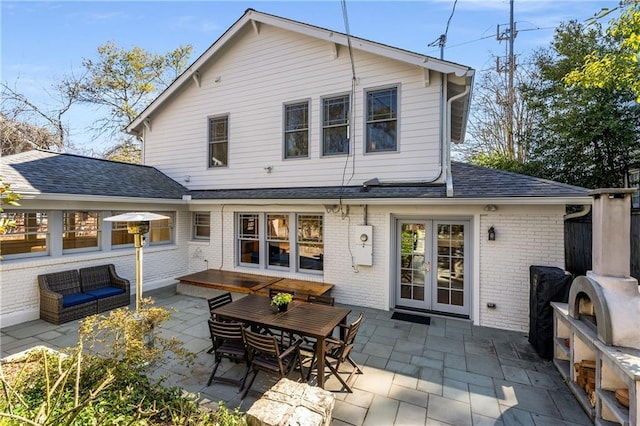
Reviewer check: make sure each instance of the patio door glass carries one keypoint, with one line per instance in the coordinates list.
(433, 266)
(415, 263)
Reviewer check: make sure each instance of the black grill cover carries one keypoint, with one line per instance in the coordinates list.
(548, 284)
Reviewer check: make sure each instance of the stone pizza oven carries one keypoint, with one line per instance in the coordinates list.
(607, 298)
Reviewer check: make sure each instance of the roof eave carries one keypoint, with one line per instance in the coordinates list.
(38, 196)
(252, 16)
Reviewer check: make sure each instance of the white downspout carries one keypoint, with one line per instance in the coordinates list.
(447, 163)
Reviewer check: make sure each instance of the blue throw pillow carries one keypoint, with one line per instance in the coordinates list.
(76, 299)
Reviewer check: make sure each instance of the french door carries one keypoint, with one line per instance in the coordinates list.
(432, 266)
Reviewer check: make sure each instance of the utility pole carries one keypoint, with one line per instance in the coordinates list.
(509, 34)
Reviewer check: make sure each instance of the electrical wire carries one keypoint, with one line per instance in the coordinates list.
(351, 119)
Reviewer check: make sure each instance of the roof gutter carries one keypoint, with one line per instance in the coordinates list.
(99, 198)
(448, 178)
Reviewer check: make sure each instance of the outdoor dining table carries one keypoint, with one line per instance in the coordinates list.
(301, 318)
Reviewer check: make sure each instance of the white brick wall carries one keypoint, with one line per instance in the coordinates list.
(522, 239)
(528, 235)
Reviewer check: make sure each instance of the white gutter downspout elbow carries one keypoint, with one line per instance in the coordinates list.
(448, 178)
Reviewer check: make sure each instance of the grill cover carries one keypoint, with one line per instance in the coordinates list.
(548, 284)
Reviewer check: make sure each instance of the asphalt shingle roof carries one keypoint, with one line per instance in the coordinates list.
(49, 172)
(469, 181)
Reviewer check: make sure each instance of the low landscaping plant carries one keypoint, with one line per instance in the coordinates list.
(104, 380)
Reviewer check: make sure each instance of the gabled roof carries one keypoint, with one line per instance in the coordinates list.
(255, 19)
(44, 172)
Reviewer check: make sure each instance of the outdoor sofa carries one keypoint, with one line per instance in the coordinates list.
(69, 295)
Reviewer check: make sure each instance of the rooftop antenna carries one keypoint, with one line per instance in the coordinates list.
(442, 40)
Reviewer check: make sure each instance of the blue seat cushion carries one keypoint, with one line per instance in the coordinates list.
(76, 299)
(101, 293)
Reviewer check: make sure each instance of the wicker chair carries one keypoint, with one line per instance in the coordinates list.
(110, 290)
(61, 298)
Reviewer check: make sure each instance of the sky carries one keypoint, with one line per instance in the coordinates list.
(41, 41)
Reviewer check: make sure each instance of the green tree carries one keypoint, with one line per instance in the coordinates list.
(488, 144)
(125, 81)
(127, 151)
(619, 68)
(9, 198)
(585, 136)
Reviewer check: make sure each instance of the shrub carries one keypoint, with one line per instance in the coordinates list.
(103, 380)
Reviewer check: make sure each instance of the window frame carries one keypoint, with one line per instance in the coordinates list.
(286, 131)
(41, 216)
(154, 226)
(395, 118)
(196, 224)
(65, 231)
(309, 242)
(263, 238)
(211, 142)
(345, 124)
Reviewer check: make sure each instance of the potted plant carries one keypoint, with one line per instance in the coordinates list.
(282, 300)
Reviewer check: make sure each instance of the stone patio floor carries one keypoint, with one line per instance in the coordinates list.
(447, 373)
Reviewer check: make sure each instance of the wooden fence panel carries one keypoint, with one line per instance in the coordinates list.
(578, 240)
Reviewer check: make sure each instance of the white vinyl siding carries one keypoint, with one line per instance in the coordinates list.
(292, 68)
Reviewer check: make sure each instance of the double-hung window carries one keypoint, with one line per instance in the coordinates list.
(201, 225)
(248, 239)
(218, 141)
(278, 240)
(80, 230)
(382, 120)
(335, 125)
(26, 235)
(283, 241)
(310, 242)
(296, 130)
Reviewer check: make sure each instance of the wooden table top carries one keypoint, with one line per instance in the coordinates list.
(241, 282)
(302, 318)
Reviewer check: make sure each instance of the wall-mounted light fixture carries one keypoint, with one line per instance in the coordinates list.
(331, 208)
(490, 208)
(492, 234)
(268, 169)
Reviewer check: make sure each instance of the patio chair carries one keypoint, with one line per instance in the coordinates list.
(339, 351)
(322, 300)
(266, 354)
(216, 302)
(227, 343)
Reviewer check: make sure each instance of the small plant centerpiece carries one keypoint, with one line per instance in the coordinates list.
(281, 301)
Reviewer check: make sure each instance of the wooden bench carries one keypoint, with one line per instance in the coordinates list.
(240, 282)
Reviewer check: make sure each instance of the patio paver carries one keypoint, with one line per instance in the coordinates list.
(446, 373)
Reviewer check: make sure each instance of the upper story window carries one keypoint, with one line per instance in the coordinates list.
(201, 225)
(335, 125)
(218, 141)
(80, 230)
(296, 130)
(634, 182)
(382, 120)
(26, 236)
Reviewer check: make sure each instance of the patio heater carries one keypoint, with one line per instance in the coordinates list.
(138, 225)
